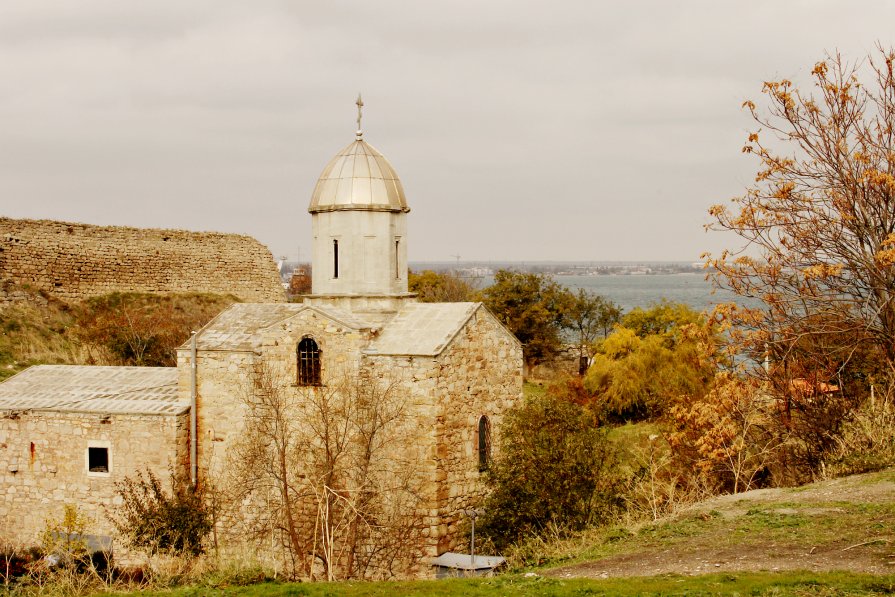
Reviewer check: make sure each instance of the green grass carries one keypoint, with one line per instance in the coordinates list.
(50, 331)
(759, 526)
(533, 390)
(785, 524)
(630, 435)
(760, 583)
(31, 334)
(633, 444)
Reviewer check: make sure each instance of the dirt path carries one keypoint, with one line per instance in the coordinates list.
(842, 524)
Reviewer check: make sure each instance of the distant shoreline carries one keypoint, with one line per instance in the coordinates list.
(563, 268)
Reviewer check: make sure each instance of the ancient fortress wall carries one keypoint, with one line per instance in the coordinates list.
(77, 261)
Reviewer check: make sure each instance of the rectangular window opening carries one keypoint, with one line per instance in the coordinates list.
(335, 258)
(98, 460)
(397, 261)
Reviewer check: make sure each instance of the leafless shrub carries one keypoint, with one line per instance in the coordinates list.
(329, 474)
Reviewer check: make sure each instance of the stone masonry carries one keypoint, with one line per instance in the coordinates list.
(77, 261)
(44, 464)
(449, 384)
(69, 433)
(478, 374)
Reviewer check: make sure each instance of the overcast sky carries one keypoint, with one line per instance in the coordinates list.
(521, 130)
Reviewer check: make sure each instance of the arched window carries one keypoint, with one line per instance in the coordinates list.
(484, 443)
(308, 363)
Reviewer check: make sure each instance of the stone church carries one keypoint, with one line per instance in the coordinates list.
(69, 433)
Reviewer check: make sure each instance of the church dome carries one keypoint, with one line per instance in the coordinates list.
(358, 178)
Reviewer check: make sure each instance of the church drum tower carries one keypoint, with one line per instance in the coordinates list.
(359, 229)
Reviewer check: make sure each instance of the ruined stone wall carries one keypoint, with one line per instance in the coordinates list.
(43, 464)
(480, 373)
(11, 293)
(77, 261)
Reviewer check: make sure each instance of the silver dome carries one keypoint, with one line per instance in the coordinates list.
(358, 178)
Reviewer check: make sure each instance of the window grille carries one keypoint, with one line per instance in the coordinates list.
(484, 443)
(308, 363)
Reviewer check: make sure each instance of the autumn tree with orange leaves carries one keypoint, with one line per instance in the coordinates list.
(817, 231)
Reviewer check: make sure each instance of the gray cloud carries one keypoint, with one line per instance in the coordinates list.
(521, 130)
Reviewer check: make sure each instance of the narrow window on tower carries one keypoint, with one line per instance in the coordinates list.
(335, 258)
(397, 260)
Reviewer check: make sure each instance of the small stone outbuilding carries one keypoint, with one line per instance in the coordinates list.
(69, 433)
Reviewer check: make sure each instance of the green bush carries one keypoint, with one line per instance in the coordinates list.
(555, 470)
(156, 520)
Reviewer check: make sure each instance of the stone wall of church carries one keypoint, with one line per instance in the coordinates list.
(43, 464)
(224, 379)
(340, 344)
(480, 374)
(415, 379)
(77, 261)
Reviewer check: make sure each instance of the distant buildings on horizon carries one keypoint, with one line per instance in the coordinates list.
(568, 268)
(482, 269)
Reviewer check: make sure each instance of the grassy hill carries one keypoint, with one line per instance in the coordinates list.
(845, 524)
(115, 329)
(833, 537)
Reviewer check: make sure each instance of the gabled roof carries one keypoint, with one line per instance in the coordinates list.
(423, 329)
(237, 327)
(94, 389)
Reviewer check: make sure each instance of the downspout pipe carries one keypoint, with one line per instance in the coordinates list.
(194, 465)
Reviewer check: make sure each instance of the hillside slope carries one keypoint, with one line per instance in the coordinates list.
(841, 524)
(113, 329)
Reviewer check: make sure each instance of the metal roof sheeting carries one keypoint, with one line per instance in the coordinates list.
(422, 328)
(90, 388)
(463, 561)
(237, 327)
(358, 177)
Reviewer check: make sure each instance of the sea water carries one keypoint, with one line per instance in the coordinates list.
(631, 291)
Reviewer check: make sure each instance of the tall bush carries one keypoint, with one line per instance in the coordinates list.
(555, 469)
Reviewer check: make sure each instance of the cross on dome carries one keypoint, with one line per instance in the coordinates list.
(360, 105)
(358, 178)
